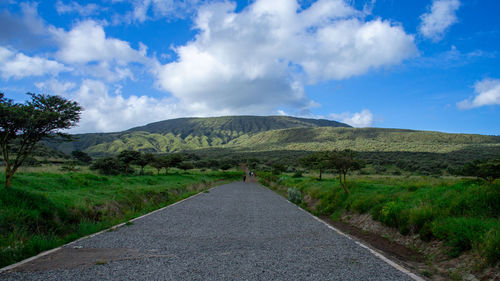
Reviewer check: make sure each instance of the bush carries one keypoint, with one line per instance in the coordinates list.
(109, 166)
(491, 246)
(418, 217)
(294, 195)
(461, 233)
(297, 174)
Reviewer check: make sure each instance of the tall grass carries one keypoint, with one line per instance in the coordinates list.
(45, 209)
(464, 213)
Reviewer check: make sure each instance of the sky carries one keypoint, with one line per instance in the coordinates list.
(423, 65)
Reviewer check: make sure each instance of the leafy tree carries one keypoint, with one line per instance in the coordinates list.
(144, 160)
(488, 170)
(157, 163)
(23, 125)
(343, 162)
(278, 168)
(128, 157)
(175, 160)
(185, 166)
(81, 156)
(316, 161)
(109, 166)
(166, 162)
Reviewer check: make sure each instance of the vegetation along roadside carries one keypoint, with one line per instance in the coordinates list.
(459, 215)
(47, 208)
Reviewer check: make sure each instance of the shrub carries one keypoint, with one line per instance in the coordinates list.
(418, 217)
(491, 246)
(460, 233)
(294, 195)
(297, 174)
(109, 166)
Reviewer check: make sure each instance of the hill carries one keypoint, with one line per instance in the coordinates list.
(363, 140)
(187, 134)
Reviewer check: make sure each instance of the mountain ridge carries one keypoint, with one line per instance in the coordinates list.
(186, 133)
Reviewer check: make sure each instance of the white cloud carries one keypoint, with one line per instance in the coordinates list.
(74, 7)
(18, 65)
(359, 119)
(143, 10)
(54, 87)
(441, 16)
(87, 42)
(258, 59)
(487, 93)
(105, 112)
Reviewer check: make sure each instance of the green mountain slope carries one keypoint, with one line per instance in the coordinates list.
(187, 134)
(362, 139)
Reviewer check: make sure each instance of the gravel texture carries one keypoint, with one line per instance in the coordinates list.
(234, 232)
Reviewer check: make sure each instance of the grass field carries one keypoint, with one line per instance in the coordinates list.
(465, 213)
(46, 207)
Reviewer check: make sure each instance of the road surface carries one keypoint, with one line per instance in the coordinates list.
(234, 232)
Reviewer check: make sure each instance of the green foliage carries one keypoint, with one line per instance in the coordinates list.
(45, 210)
(464, 213)
(185, 166)
(488, 170)
(109, 166)
(22, 126)
(81, 156)
(294, 195)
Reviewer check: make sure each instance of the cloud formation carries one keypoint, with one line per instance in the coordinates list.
(74, 7)
(144, 10)
(441, 16)
(487, 93)
(111, 112)
(87, 42)
(358, 119)
(17, 65)
(260, 59)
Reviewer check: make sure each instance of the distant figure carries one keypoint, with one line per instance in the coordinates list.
(244, 177)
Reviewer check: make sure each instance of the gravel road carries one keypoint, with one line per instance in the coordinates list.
(234, 232)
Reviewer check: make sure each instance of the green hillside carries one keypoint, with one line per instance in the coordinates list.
(362, 139)
(256, 134)
(186, 134)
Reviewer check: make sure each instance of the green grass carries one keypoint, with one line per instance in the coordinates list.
(46, 208)
(465, 213)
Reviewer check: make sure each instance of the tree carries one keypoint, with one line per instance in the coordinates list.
(175, 160)
(23, 125)
(185, 165)
(128, 157)
(157, 163)
(316, 161)
(144, 160)
(81, 156)
(109, 166)
(488, 170)
(343, 162)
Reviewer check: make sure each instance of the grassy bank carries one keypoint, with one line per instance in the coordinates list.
(46, 209)
(463, 213)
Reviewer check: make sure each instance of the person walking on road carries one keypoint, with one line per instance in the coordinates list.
(244, 177)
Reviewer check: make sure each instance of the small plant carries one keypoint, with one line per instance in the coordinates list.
(129, 223)
(294, 195)
(297, 174)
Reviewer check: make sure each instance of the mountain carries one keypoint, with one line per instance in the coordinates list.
(363, 140)
(187, 134)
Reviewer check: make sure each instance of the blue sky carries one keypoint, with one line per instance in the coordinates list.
(424, 65)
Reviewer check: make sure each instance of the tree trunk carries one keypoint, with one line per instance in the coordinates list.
(142, 170)
(344, 185)
(8, 178)
(320, 173)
